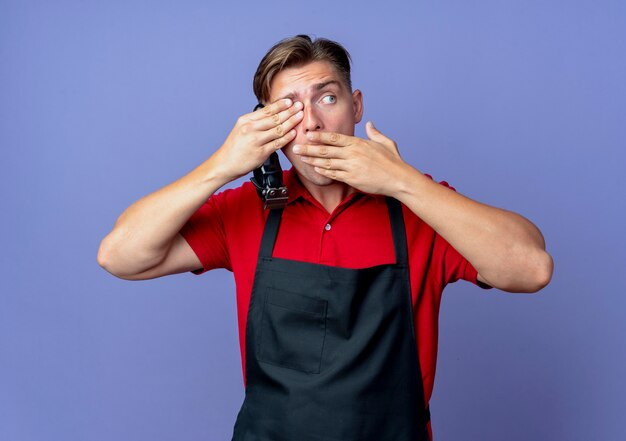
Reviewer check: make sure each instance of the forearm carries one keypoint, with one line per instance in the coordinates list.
(144, 232)
(506, 249)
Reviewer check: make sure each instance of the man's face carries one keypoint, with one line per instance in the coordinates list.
(328, 106)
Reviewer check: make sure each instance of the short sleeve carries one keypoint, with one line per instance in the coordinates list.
(458, 267)
(206, 235)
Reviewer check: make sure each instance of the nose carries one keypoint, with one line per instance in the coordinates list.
(311, 120)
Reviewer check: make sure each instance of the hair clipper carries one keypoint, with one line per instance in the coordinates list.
(268, 180)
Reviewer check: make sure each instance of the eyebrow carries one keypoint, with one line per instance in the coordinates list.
(319, 86)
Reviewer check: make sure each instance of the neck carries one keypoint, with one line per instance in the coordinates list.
(330, 196)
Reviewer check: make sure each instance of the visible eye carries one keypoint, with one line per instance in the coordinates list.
(329, 99)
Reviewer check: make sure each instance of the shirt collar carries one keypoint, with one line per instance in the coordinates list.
(294, 186)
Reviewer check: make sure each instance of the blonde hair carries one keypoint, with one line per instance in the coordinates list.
(296, 51)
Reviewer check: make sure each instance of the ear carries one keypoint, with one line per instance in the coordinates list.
(357, 104)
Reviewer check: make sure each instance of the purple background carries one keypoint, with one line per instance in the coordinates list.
(519, 104)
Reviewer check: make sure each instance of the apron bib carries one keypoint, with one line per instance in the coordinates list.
(331, 352)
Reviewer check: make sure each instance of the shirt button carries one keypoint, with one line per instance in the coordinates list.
(327, 227)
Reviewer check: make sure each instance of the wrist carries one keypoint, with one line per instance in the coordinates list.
(408, 179)
(210, 175)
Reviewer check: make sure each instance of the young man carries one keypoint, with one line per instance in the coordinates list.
(338, 292)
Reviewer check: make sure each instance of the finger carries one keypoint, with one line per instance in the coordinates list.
(278, 118)
(325, 163)
(279, 143)
(330, 138)
(338, 175)
(279, 130)
(320, 151)
(269, 110)
(373, 133)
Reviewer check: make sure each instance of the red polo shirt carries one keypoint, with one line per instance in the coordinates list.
(226, 233)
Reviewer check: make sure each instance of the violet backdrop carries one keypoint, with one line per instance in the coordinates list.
(518, 104)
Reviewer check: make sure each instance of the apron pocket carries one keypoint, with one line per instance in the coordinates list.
(293, 328)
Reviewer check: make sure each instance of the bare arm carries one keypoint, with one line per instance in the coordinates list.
(145, 242)
(506, 249)
(143, 238)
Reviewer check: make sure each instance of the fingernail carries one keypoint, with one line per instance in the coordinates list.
(298, 105)
(288, 102)
(299, 114)
(297, 148)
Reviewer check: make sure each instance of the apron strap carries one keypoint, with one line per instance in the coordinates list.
(397, 230)
(269, 233)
